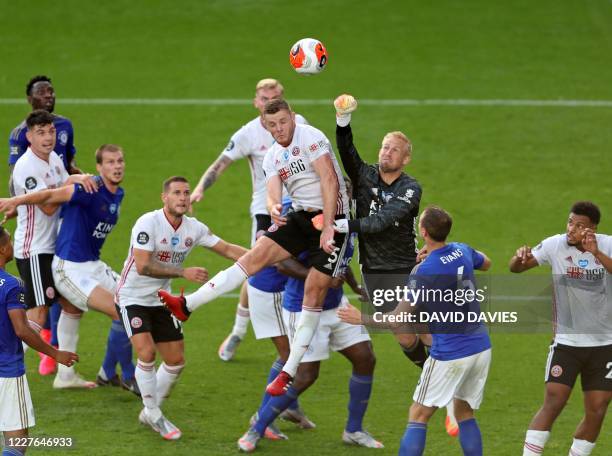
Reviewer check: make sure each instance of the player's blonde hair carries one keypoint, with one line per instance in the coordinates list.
(401, 137)
(269, 83)
(106, 148)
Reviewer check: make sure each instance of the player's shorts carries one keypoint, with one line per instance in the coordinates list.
(37, 279)
(76, 281)
(261, 222)
(157, 320)
(16, 410)
(463, 378)
(594, 364)
(298, 235)
(266, 310)
(332, 334)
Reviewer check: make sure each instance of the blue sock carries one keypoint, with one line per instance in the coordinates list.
(273, 408)
(470, 438)
(123, 350)
(6, 451)
(360, 388)
(110, 357)
(277, 366)
(413, 442)
(54, 314)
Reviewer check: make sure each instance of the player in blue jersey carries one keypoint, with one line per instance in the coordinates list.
(41, 95)
(16, 411)
(460, 354)
(352, 341)
(78, 273)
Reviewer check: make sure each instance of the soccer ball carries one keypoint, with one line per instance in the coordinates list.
(308, 56)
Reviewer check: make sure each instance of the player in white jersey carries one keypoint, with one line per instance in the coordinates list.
(581, 263)
(303, 161)
(39, 168)
(160, 242)
(252, 141)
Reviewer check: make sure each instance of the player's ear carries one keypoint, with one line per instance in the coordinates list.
(407, 159)
(29, 136)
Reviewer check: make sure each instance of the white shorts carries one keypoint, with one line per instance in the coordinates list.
(266, 313)
(332, 334)
(16, 410)
(463, 378)
(76, 281)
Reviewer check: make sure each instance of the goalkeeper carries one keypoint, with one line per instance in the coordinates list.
(387, 205)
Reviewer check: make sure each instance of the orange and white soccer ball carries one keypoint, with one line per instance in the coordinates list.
(308, 56)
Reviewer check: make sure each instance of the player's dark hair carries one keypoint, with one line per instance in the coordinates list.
(172, 179)
(276, 105)
(437, 222)
(39, 117)
(34, 80)
(106, 148)
(4, 236)
(588, 209)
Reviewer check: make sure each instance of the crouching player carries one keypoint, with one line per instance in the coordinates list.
(460, 355)
(352, 341)
(16, 411)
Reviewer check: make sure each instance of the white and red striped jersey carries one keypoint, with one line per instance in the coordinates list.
(36, 232)
(252, 142)
(582, 300)
(293, 164)
(168, 244)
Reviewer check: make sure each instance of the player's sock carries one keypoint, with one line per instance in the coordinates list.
(166, 378)
(274, 407)
(123, 350)
(36, 327)
(241, 322)
(277, 366)
(535, 442)
(360, 388)
(417, 353)
(581, 448)
(147, 383)
(309, 320)
(470, 438)
(413, 441)
(68, 335)
(8, 451)
(110, 357)
(223, 282)
(54, 315)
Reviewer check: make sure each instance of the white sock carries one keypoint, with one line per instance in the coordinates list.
(306, 327)
(535, 442)
(166, 378)
(147, 382)
(67, 339)
(450, 412)
(36, 327)
(581, 448)
(223, 282)
(241, 322)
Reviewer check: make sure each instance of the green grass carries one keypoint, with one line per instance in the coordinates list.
(507, 174)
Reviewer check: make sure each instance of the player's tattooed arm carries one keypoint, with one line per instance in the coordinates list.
(147, 265)
(210, 177)
(522, 260)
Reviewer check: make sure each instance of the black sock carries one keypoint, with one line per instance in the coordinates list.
(417, 353)
(185, 309)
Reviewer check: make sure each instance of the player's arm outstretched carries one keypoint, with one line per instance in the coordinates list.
(352, 162)
(210, 177)
(324, 168)
(24, 331)
(147, 265)
(228, 250)
(523, 260)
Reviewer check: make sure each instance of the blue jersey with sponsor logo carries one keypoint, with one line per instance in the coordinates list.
(87, 220)
(446, 275)
(294, 289)
(64, 141)
(11, 350)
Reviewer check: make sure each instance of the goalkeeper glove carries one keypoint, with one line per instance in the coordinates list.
(345, 104)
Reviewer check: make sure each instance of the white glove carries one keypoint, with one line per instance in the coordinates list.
(345, 104)
(341, 226)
